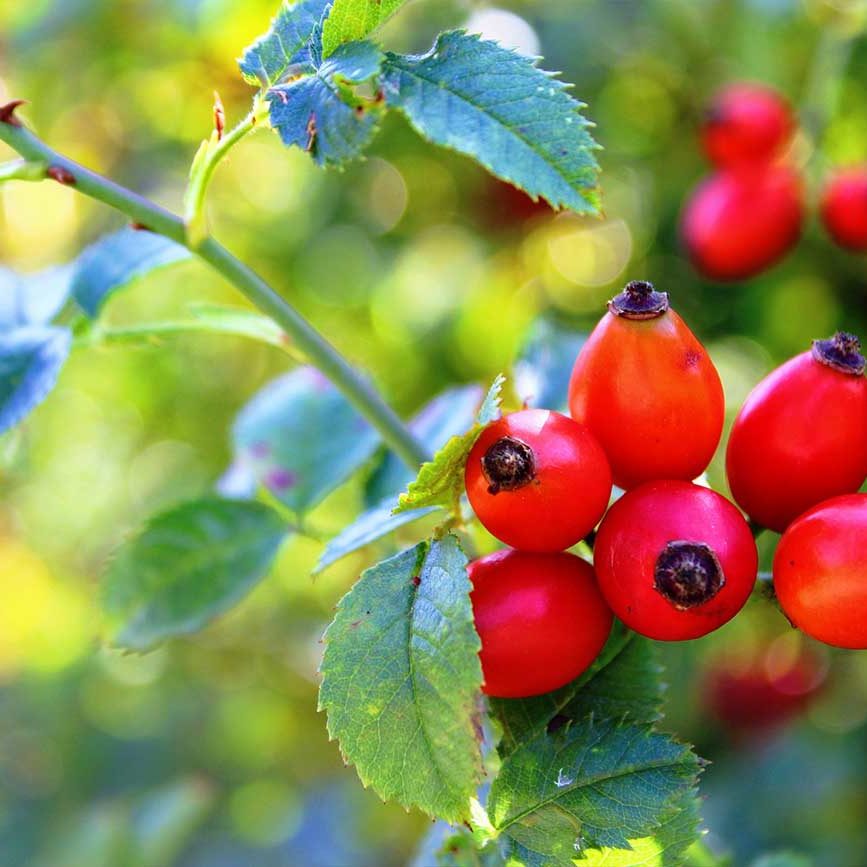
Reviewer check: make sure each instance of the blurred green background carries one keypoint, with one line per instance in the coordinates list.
(426, 273)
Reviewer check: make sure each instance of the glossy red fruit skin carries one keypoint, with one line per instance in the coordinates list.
(541, 620)
(637, 529)
(565, 499)
(652, 397)
(738, 222)
(746, 123)
(800, 438)
(820, 572)
(844, 208)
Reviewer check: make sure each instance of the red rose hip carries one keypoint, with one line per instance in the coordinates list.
(820, 572)
(675, 560)
(541, 620)
(746, 123)
(844, 208)
(537, 480)
(801, 435)
(648, 390)
(741, 221)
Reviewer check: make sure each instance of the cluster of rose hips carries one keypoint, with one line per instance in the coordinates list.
(673, 560)
(750, 212)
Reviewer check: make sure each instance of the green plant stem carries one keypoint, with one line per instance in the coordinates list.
(22, 170)
(357, 390)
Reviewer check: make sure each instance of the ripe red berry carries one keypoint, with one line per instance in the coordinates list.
(844, 208)
(740, 221)
(540, 617)
(820, 572)
(648, 390)
(537, 480)
(746, 123)
(801, 436)
(675, 560)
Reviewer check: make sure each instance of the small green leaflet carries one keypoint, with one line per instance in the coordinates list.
(496, 106)
(319, 113)
(283, 50)
(590, 785)
(117, 260)
(31, 359)
(354, 19)
(401, 679)
(186, 567)
(440, 482)
(624, 682)
(451, 412)
(368, 527)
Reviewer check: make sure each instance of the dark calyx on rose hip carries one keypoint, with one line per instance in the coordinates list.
(688, 574)
(639, 300)
(842, 352)
(508, 464)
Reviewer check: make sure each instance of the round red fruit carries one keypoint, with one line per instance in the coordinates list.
(746, 123)
(844, 208)
(541, 620)
(675, 560)
(538, 481)
(648, 390)
(820, 572)
(801, 436)
(739, 222)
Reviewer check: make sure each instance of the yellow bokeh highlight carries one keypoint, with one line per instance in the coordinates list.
(45, 623)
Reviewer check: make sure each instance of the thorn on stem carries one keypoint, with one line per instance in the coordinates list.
(311, 133)
(140, 227)
(219, 116)
(61, 175)
(7, 112)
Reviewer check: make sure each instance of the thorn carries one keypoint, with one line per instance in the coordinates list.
(311, 132)
(219, 116)
(140, 227)
(61, 175)
(7, 112)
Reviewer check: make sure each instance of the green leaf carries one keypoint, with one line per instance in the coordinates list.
(370, 526)
(593, 784)
(319, 112)
(623, 683)
(300, 438)
(186, 567)
(30, 361)
(401, 679)
(440, 482)
(117, 260)
(33, 299)
(283, 51)
(665, 847)
(448, 414)
(354, 19)
(494, 105)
